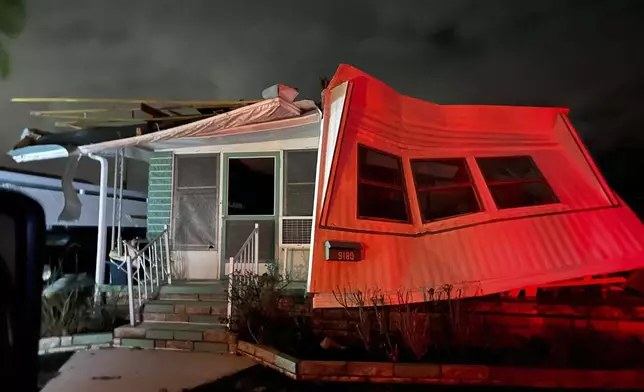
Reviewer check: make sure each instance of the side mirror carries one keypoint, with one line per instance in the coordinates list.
(22, 252)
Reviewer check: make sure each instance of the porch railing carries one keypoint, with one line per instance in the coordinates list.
(245, 261)
(147, 267)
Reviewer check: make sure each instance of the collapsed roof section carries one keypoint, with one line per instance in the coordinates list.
(267, 115)
(167, 125)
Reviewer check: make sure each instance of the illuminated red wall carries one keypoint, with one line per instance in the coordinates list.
(589, 232)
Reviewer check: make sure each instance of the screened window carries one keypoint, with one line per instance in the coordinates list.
(516, 182)
(195, 203)
(444, 188)
(381, 186)
(299, 182)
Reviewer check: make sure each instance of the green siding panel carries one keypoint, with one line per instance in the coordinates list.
(152, 228)
(159, 201)
(158, 220)
(161, 161)
(160, 188)
(159, 213)
(159, 210)
(165, 181)
(159, 192)
(160, 171)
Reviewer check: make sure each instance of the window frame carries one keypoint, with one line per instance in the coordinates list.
(177, 191)
(540, 179)
(403, 187)
(286, 183)
(471, 184)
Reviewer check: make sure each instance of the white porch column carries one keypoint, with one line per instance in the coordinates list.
(102, 227)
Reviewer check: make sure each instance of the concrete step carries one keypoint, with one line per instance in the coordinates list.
(184, 317)
(179, 336)
(194, 291)
(186, 306)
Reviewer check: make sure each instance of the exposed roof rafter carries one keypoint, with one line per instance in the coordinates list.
(122, 111)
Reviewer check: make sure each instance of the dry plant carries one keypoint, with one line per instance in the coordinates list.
(65, 313)
(69, 312)
(379, 301)
(413, 325)
(435, 323)
(255, 302)
(348, 299)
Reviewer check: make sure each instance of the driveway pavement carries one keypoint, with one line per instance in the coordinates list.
(129, 370)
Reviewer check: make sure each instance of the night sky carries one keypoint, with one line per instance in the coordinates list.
(585, 55)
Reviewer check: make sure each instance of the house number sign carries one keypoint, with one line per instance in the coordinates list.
(342, 251)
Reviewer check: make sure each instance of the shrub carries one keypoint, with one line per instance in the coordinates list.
(65, 313)
(72, 311)
(255, 304)
(386, 326)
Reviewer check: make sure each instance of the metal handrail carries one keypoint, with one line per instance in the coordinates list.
(248, 253)
(246, 260)
(153, 268)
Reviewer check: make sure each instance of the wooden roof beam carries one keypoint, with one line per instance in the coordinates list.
(154, 112)
(156, 102)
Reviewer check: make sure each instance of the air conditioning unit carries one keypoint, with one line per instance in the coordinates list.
(295, 244)
(295, 232)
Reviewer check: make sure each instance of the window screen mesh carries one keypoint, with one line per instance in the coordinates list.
(301, 165)
(298, 199)
(299, 182)
(195, 223)
(195, 201)
(196, 171)
(296, 231)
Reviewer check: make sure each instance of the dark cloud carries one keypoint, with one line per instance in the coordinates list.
(585, 55)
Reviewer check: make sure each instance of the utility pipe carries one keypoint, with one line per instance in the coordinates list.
(102, 227)
(113, 244)
(120, 200)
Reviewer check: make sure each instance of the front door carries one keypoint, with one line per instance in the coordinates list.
(250, 196)
(195, 215)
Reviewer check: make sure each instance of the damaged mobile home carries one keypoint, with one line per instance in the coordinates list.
(380, 190)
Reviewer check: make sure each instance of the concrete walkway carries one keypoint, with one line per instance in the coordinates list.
(128, 370)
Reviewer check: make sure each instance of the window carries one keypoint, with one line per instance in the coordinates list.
(515, 182)
(299, 182)
(195, 201)
(251, 186)
(444, 188)
(381, 187)
(300, 169)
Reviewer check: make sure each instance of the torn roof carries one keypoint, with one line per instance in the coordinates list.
(248, 123)
(268, 115)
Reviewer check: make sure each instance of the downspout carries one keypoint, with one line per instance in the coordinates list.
(102, 227)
